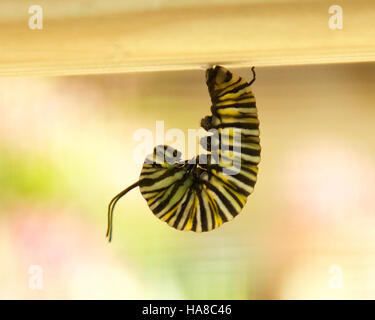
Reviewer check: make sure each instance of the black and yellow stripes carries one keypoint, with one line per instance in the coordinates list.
(202, 196)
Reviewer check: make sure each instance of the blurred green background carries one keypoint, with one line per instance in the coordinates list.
(307, 231)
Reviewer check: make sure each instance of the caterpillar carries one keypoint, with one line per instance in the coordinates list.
(202, 193)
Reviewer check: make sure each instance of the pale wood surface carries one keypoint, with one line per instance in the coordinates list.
(83, 37)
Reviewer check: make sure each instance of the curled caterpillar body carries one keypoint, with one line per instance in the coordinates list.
(202, 195)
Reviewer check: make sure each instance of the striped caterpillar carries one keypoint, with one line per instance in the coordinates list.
(200, 195)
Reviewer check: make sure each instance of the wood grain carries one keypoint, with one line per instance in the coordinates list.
(111, 38)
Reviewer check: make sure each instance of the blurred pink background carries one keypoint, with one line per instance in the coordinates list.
(307, 231)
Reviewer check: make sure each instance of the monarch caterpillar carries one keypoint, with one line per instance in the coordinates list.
(196, 196)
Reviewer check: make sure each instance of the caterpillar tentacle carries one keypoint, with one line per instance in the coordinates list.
(112, 205)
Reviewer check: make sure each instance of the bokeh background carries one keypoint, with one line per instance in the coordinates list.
(307, 231)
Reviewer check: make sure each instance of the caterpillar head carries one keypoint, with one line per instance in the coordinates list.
(164, 155)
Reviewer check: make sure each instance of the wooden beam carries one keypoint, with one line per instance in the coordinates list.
(114, 38)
